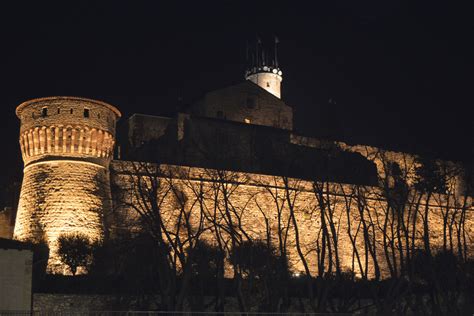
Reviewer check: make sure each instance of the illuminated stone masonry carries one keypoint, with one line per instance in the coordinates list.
(67, 147)
(261, 207)
(66, 144)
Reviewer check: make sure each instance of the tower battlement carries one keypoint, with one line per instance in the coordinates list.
(70, 127)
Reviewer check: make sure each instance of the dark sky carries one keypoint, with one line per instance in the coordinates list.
(401, 74)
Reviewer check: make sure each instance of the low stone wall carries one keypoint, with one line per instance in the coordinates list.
(15, 279)
(70, 302)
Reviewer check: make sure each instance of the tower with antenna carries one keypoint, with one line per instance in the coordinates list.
(262, 66)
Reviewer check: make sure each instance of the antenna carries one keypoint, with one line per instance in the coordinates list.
(256, 52)
(276, 49)
(247, 52)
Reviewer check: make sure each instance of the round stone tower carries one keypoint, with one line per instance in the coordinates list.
(66, 144)
(267, 77)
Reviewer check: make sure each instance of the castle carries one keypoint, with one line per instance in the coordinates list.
(234, 165)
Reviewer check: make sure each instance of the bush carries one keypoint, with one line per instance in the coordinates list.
(75, 250)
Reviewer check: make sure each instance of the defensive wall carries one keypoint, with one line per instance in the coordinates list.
(352, 224)
(327, 204)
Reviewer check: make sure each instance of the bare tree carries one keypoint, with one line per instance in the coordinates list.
(165, 211)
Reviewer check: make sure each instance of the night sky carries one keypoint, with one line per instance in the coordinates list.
(401, 74)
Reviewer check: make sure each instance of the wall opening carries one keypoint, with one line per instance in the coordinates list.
(86, 113)
(44, 112)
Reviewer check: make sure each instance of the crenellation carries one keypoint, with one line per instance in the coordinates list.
(65, 140)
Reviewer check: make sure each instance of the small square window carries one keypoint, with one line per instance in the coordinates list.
(86, 112)
(44, 112)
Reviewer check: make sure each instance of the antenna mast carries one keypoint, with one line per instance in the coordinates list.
(276, 49)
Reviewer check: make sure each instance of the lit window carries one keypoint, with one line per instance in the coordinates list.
(44, 112)
(86, 112)
(246, 120)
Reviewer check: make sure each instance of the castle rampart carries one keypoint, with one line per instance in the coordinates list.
(354, 225)
(336, 208)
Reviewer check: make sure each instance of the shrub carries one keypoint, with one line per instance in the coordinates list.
(75, 250)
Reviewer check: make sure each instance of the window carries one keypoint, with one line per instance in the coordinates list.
(220, 114)
(44, 112)
(247, 120)
(71, 111)
(59, 110)
(86, 113)
(98, 116)
(268, 84)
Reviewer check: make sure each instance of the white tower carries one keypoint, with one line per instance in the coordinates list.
(267, 77)
(263, 69)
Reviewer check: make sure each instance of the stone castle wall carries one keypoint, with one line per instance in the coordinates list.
(7, 223)
(67, 146)
(260, 207)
